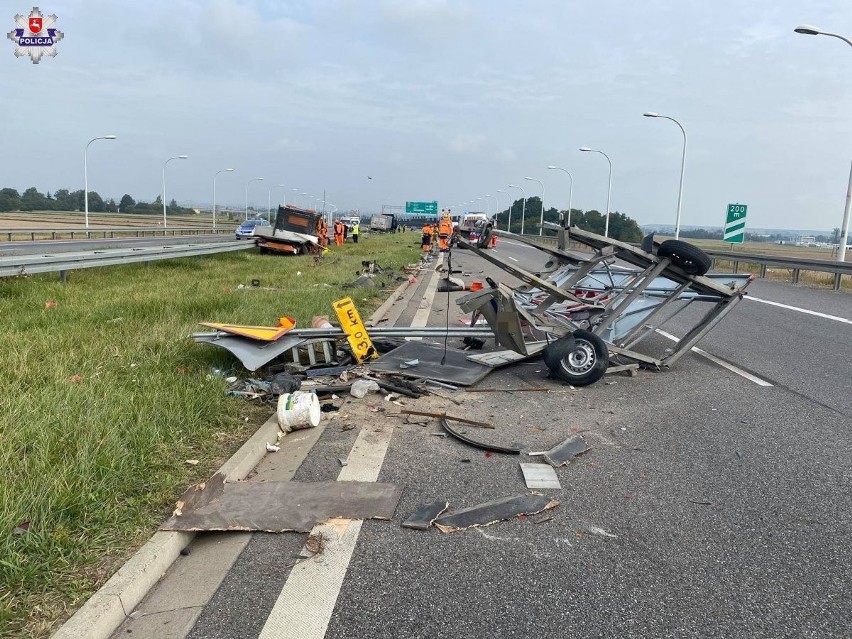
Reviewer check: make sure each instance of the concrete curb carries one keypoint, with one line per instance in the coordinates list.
(107, 609)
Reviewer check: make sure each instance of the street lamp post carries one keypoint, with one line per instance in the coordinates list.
(498, 202)
(608, 188)
(177, 157)
(808, 29)
(651, 114)
(257, 179)
(496, 206)
(570, 190)
(214, 195)
(86, 174)
(541, 221)
(523, 208)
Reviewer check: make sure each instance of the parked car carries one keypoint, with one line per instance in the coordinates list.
(246, 229)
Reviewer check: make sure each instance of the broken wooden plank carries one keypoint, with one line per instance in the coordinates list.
(425, 516)
(494, 511)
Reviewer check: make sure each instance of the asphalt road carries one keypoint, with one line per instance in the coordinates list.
(709, 505)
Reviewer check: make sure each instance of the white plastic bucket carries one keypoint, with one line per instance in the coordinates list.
(297, 410)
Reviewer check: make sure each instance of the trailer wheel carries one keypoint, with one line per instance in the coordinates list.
(686, 256)
(579, 359)
(484, 238)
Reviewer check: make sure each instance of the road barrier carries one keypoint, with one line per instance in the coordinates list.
(795, 264)
(122, 231)
(20, 265)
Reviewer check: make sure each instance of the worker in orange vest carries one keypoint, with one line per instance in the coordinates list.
(445, 231)
(426, 238)
(339, 228)
(492, 243)
(321, 230)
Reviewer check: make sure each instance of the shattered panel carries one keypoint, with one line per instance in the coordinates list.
(280, 506)
(425, 516)
(493, 511)
(564, 453)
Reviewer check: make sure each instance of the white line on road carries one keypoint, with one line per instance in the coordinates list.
(512, 258)
(731, 367)
(800, 310)
(304, 606)
(421, 317)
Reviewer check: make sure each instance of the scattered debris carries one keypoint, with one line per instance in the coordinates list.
(493, 511)
(510, 450)
(540, 476)
(342, 461)
(361, 387)
(425, 516)
(542, 519)
(564, 453)
(445, 416)
(507, 390)
(315, 544)
(298, 410)
(192, 462)
(272, 448)
(279, 506)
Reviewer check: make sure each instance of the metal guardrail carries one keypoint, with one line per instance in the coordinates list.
(63, 262)
(795, 264)
(103, 232)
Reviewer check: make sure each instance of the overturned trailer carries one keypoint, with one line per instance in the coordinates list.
(585, 311)
(294, 232)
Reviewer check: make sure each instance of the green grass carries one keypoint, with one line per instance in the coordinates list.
(106, 396)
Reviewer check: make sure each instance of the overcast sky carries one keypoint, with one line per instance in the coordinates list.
(442, 100)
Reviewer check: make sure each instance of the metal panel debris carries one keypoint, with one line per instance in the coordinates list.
(425, 516)
(433, 364)
(564, 453)
(540, 476)
(279, 506)
(493, 511)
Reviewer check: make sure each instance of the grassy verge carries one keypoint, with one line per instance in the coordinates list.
(106, 397)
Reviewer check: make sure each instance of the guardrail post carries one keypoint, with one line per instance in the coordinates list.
(736, 266)
(53, 235)
(62, 277)
(837, 277)
(796, 272)
(32, 235)
(763, 270)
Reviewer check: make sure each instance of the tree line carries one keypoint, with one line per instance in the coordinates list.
(65, 200)
(621, 227)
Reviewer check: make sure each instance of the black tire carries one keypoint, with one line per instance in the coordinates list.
(555, 351)
(685, 256)
(583, 363)
(484, 238)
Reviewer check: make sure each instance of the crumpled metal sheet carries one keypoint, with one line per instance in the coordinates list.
(280, 506)
(493, 511)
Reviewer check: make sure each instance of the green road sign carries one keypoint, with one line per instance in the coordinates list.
(735, 223)
(427, 208)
